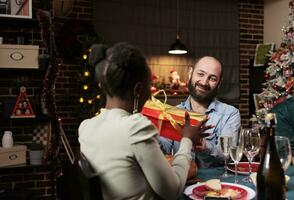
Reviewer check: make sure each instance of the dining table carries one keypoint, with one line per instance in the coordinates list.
(205, 174)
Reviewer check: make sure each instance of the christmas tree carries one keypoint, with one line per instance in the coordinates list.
(279, 78)
(91, 98)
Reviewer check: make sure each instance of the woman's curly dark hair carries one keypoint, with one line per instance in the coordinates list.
(118, 68)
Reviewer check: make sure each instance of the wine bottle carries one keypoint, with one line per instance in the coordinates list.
(270, 175)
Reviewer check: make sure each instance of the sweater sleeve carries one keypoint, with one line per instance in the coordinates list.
(166, 180)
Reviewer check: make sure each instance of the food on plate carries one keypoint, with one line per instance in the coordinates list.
(214, 188)
(226, 192)
(213, 184)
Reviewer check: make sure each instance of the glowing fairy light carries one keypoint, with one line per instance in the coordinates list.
(86, 73)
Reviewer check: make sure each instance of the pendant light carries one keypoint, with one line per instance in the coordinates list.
(177, 47)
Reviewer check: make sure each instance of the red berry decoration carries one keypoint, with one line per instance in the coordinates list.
(266, 76)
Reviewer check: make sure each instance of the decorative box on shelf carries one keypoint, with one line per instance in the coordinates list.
(19, 56)
(15, 155)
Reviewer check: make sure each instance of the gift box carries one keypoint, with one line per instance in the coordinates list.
(168, 119)
(15, 155)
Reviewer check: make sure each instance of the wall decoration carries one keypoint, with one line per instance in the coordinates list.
(16, 8)
(257, 102)
(42, 136)
(261, 54)
(22, 107)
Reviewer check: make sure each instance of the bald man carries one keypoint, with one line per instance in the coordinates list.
(204, 81)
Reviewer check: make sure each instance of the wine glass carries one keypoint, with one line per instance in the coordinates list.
(225, 143)
(284, 151)
(251, 147)
(236, 151)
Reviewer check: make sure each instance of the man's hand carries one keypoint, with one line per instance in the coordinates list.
(195, 133)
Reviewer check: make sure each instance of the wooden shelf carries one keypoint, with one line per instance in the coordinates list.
(173, 99)
(27, 165)
(18, 22)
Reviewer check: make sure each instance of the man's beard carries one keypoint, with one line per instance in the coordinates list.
(205, 98)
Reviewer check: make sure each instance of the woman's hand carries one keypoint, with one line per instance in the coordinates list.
(201, 146)
(195, 133)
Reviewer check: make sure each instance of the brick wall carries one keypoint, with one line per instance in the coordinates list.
(28, 181)
(39, 180)
(251, 33)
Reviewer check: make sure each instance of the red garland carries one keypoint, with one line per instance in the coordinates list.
(48, 89)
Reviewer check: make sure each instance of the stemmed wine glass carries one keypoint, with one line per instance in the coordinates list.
(284, 151)
(251, 147)
(225, 143)
(236, 151)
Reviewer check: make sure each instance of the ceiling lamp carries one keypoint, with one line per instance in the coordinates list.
(177, 47)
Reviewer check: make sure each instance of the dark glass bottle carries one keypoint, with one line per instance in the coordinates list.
(270, 175)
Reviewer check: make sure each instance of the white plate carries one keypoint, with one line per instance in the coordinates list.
(188, 190)
(244, 172)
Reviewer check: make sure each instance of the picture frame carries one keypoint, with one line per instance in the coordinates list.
(16, 8)
(261, 52)
(256, 100)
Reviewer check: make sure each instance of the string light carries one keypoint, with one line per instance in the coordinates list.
(86, 73)
(90, 97)
(85, 87)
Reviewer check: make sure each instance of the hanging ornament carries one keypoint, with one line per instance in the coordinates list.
(280, 99)
(153, 89)
(291, 47)
(278, 70)
(288, 72)
(266, 76)
(274, 86)
(269, 105)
